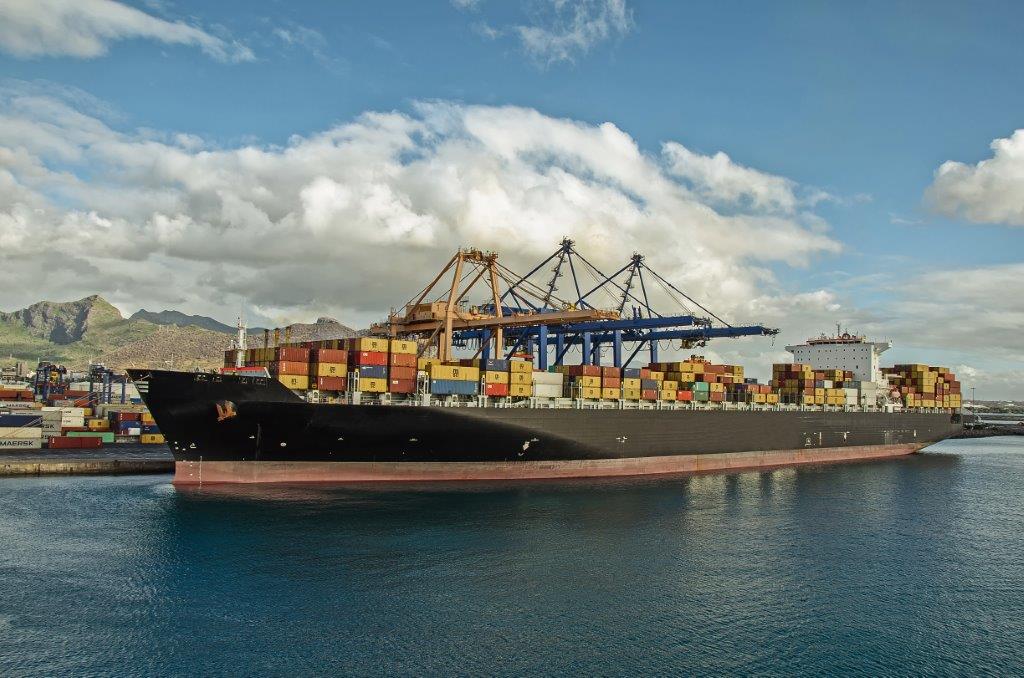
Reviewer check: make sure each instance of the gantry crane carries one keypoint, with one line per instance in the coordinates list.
(527, 316)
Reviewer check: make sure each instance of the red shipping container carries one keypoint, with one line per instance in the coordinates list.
(649, 394)
(611, 382)
(403, 360)
(290, 354)
(611, 372)
(684, 395)
(583, 370)
(403, 373)
(301, 369)
(401, 385)
(127, 416)
(328, 355)
(496, 390)
(329, 383)
(645, 373)
(65, 442)
(367, 358)
(717, 396)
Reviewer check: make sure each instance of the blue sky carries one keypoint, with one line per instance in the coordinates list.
(859, 101)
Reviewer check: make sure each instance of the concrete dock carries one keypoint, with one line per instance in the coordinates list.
(109, 460)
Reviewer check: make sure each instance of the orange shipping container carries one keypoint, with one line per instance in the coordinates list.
(403, 373)
(402, 360)
(285, 367)
(328, 355)
(329, 383)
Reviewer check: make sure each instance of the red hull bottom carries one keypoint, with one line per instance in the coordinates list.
(195, 472)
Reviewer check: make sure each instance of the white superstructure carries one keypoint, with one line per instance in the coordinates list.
(843, 352)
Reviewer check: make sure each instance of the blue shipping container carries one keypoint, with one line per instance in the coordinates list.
(494, 365)
(648, 384)
(372, 371)
(631, 373)
(452, 387)
(150, 428)
(19, 420)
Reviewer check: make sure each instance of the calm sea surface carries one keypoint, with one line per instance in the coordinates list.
(913, 566)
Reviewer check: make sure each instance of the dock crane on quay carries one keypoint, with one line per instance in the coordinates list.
(523, 315)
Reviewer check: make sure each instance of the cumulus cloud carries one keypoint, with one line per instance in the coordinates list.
(85, 29)
(561, 30)
(352, 219)
(990, 191)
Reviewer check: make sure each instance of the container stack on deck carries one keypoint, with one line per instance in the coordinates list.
(801, 384)
(921, 386)
(391, 366)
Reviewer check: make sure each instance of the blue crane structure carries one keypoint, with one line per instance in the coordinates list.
(644, 326)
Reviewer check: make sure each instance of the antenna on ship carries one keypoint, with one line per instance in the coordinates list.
(240, 344)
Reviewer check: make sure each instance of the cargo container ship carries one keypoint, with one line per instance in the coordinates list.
(246, 426)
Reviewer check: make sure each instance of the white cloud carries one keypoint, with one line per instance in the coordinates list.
(991, 191)
(719, 179)
(361, 212)
(561, 30)
(85, 29)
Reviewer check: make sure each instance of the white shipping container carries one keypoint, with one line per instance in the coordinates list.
(19, 405)
(134, 431)
(547, 390)
(548, 378)
(21, 444)
(20, 432)
(74, 411)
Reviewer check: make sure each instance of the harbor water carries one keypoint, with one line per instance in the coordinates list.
(902, 567)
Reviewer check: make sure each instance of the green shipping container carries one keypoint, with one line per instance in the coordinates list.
(701, 396)
(107, 436)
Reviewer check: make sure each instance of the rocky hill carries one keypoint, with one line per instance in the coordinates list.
(179, 319)
(75, 333)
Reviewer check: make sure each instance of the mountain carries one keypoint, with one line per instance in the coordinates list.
(180, 319)
(74, 333)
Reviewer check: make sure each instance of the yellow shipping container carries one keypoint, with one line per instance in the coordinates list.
(715, 387)
(819, 400)
(403, 346)
(808, 400)
(590, 393)
(373, 385)
(760, 397)
(668, 385)
(610, 393)
(457, 372)
(492, 377)
(696, 368)
(667, 394)
(423, 364)
(328, 369)
(296, 382)
(657, 376)
(377, 344)
(819, 392)
(147, 418)
(587, 382)
(772, 398)
(520, 377)
(520, 366)
(151, 438)
(520, 390)
(631, 393)
(631, 383)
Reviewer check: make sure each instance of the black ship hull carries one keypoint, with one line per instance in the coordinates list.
(227, 428)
